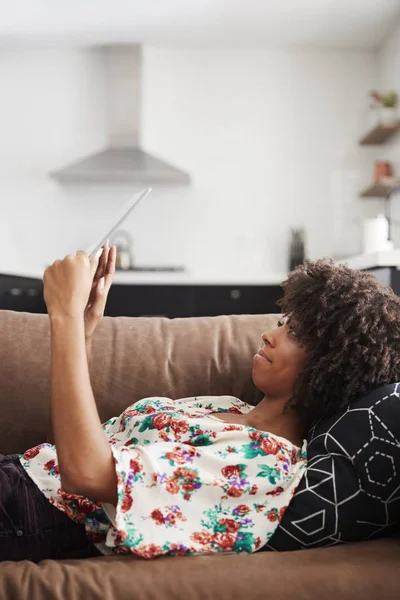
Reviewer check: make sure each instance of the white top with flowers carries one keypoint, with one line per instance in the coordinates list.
(188, 482)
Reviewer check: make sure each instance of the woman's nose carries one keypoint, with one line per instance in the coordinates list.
(268, 338)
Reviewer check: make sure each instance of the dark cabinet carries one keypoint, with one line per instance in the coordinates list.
(150, 301)
(141, 300)
(21, 294)
(213, 300)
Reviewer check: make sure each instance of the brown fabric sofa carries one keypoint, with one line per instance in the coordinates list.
(135, 358)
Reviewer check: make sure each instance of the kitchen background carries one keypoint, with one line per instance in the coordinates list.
(262, 104)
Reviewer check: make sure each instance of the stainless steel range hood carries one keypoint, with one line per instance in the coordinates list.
(123, 160)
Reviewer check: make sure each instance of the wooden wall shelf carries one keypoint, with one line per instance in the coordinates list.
(379, 190)
(379, 134)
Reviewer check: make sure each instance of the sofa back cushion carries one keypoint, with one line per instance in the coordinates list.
(351, 488)
(132, 358)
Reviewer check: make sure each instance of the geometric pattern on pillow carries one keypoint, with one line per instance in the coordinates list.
(350, 490)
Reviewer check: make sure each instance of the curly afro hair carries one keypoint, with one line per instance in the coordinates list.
(349, 324)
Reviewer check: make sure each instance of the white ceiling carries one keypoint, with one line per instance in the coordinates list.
(325, 23)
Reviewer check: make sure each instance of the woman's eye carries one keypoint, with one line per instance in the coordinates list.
(280, 324)
(292, 330)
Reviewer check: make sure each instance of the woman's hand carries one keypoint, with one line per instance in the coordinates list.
(101, 285)
(68, 284)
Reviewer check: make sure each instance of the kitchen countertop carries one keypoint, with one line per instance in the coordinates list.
(385, 258)
(165, 278)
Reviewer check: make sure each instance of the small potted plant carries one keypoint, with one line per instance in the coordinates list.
(387, 107)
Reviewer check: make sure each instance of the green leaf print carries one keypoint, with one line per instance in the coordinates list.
(147, 423)
(251, 450)
(242, 469)
(213, 515)
(270, 472)
(134, 538)
(201, 440)
(245, 542)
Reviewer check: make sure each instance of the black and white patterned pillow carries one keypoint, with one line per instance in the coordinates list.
(351, 488)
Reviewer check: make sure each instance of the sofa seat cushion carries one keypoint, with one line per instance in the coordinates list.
(351, 488)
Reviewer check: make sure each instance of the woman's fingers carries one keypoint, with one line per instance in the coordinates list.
(101, 267)
(110, 267)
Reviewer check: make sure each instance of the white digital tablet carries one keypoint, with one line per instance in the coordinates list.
(119, 219)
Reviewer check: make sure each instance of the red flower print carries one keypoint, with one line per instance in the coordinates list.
(242, 509)
(258, 541)
(135, 466)
(230, 525)
(186, 496)
(172, 485)
(282, 512)
(255, 435)
(179, 425)
(276, 492)
(149, 409)
(149, 551)
(49, 465)
(97, 537)
(230, 449)
(163, 435)
(171, 519)
(127, 502)
(56, 470)
(232, 428)
(224, 540)
(234, 492)
(272, 516)
(31, 453)
(259, 507)
(231, 471)
(176, 550)
(235, 410)
(120, 537)
(157, 516)
(67, 496)
(294, 456)
(269, 445)
(188, 486)
(131, 412)
(178, 472)
(161, 421)
(176, 456)
(189, 474)
(202, 537)
(254, 490)
(85, 506)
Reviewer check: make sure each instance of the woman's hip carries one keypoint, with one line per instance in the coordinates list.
(31, 528)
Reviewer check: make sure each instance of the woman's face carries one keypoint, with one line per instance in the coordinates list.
(279, 361)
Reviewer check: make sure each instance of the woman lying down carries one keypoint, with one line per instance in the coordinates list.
(197, 475)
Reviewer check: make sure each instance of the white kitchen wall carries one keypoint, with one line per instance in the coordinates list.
(389, 71)
(269, 137)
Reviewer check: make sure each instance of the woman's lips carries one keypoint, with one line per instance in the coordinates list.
(262, 355)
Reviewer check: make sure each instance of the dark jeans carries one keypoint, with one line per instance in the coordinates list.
(30, 527)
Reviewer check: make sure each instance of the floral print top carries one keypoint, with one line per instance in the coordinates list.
(188, 482)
